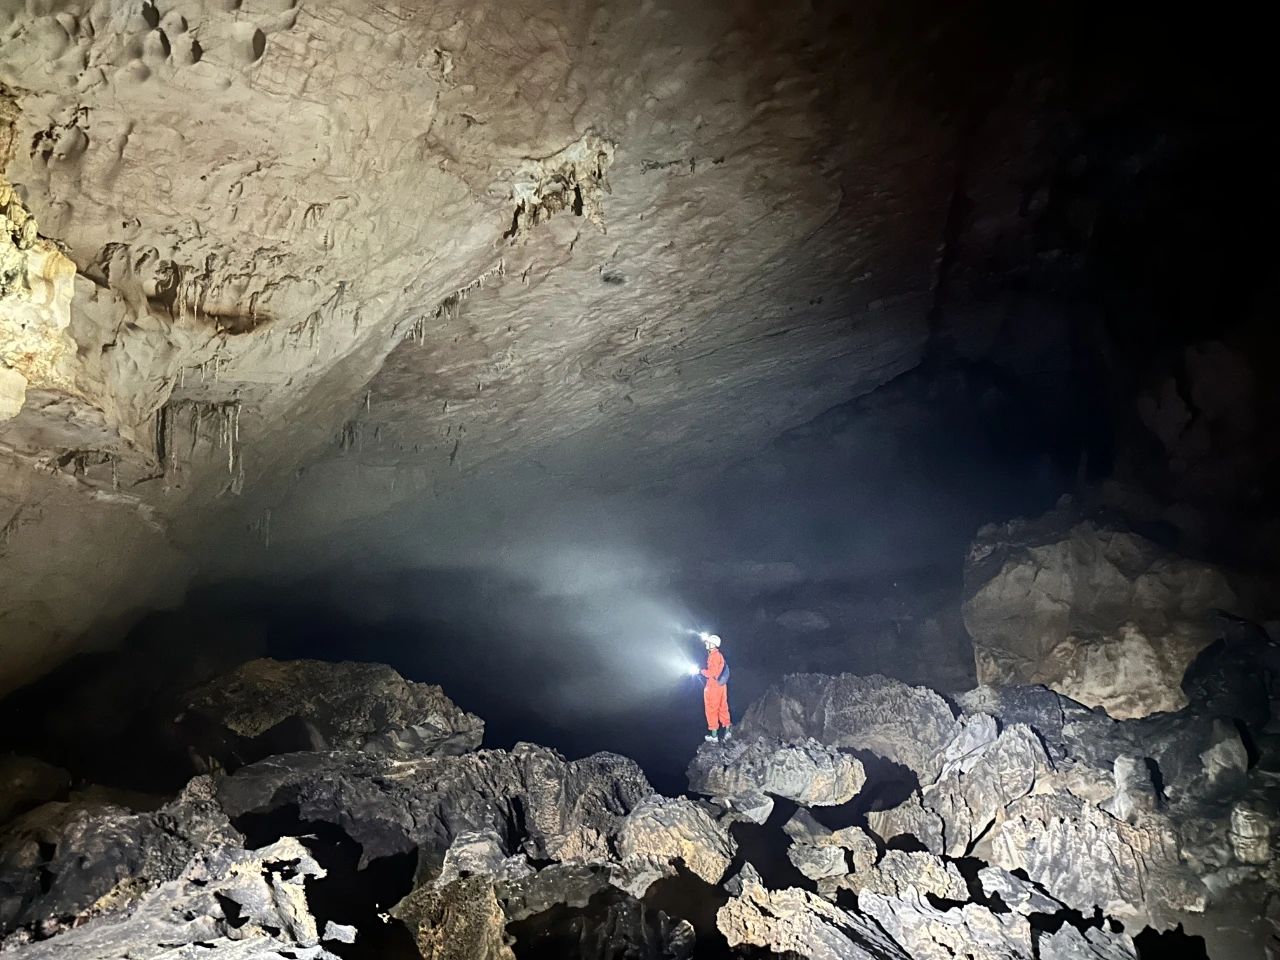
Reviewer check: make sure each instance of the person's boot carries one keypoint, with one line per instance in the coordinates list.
(728, 735)
(711, 737)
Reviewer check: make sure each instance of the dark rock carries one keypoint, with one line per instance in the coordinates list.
(266, 707)
(539, 803)
(908, 725)
(560, 884)
(1232, 677)
(612, 927)
(62, 861)
(26, 782)
(1196, 757)
(228, 904)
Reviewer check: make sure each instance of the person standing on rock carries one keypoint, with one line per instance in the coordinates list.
(715, 689)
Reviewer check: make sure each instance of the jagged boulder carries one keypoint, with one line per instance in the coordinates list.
(911, 818)
(818, 861)
(1088, 858)
(982, 772)
(928, 933)
(226, 904)
(976, 785)
(460, 920)
(26, 782)
(538, 802)
(902, 873)
(1097, 613)
(666, 829)
(1092, 943)
(560, 884)
(908, 725)
(807, 772)
(276, 706)
(795, 921)
(1197, 757)
(64, 860)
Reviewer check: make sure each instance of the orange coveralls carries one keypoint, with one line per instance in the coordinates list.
(715, 695)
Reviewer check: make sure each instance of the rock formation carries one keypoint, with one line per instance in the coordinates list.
(539, 803)
(363, 706)
(808, 773)
(1099, 614)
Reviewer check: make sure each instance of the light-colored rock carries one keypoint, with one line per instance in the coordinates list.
(1135, 792)
(338, 933)
(909, 818)
(472, 853)
(854, 841)
(908, 725)
(807, 772)
(295, 140)
(13, 392)
(975, 788)
(1015, 893)
(796, 921)
(1070, 943)
(1087, 858)
(751, 807)
(801, 827)
(459, 921)
(677, 830)
(970, 931)
(229, 904)
(902, 873)
(1099, 614)
(818, 862)
(1253, 828)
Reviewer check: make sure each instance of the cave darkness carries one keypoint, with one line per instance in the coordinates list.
(933, 268)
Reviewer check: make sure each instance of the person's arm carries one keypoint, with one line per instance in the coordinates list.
(715, 665)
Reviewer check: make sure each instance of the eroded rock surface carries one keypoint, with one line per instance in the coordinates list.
(795, 921)
(808, 773)
(905, 724)
(65, 861)
(677, 830)
(364, 706)
(541, 804)
(1097, 613)
(461, 920)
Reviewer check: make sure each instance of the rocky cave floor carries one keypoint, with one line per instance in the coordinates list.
(344, 811)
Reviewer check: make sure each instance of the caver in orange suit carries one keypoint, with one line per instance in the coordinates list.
(715, 695)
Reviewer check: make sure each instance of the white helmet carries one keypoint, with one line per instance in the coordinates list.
(710, 639)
